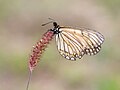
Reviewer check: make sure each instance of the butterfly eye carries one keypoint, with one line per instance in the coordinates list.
(54, 24)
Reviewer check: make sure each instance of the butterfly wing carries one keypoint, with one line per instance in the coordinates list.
(74, 43)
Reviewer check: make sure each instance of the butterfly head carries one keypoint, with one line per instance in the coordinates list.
(55, 24)
(56, 27)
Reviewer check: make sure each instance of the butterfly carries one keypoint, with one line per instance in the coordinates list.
(73, 43)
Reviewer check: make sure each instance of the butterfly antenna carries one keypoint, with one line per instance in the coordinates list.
(47, 23)
(29, 78)
(51, 21)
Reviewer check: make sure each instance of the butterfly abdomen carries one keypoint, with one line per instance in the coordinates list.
(39, 48)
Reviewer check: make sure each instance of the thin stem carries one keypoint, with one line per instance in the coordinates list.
(29, 78)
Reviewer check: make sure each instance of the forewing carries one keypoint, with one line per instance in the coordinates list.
(74, 43)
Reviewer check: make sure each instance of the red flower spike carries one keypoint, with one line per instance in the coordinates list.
(39, 48)
(37, 52)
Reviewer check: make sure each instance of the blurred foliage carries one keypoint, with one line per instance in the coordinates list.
(20, 28)
(112, 5)
(108, 84)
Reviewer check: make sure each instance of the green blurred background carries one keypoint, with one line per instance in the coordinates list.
(20, 29)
